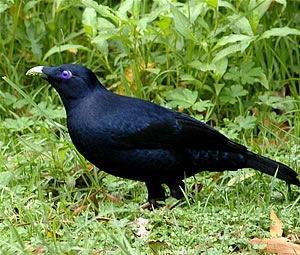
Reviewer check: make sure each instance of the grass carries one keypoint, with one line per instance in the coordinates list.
(224, 65)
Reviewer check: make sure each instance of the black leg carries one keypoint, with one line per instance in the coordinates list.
(176, 189)
(155, 192)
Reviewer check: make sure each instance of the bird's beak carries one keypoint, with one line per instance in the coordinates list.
(38, 70)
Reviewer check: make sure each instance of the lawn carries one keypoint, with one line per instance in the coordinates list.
(232, 64)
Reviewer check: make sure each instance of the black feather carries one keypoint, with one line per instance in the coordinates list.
(139, 140)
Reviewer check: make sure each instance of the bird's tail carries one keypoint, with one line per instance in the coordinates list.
(270, 167)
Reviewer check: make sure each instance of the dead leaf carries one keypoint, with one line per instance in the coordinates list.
(74, 51)
(279, 246)
(103, 219)
(142, 224)
(83, 206)
(239, 179)
(39, 249)
(276, 227)
(112, 198)
(79, 209)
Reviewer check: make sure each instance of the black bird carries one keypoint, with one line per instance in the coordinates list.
(140, 140)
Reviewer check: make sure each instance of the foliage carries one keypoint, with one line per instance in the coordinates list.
(233, 64)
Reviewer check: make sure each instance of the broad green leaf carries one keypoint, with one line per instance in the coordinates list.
(253, 15)
(182, 24)
(202, 105)
(8, 98)
(229, 95)
(164, 25)
(125, 6)
(136, 8)
(62, 48)
(221, 67)
(275, 102)
(204, 67)
(103, 10)
(104, 24)
(262, 79)
(29, 5)
(105, 35)
(242, 23)
(212, 3)
(227, 51)
(237, 91)
(218, 88)
(226, 4)
(246, 122)
(181, 97)
(246, 73)
(233, 39)
(89, 21)
(263, 6)
(281, 31)
(3, 7)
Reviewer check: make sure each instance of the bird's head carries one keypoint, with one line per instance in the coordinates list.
(71, 81)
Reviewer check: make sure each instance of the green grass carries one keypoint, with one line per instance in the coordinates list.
(235, 67)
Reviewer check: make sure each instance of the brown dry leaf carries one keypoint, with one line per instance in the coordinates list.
(112, 198)
(39, 249)
(79, 209)
(279, 246)
(74, 51)
(235, 180)
(129, 74)
(276, 227)
(141, 232)
(103, 219)
(83, 206)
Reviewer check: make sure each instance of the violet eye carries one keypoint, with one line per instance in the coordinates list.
(66, 74)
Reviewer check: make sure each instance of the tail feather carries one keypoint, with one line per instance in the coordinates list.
(270, 166)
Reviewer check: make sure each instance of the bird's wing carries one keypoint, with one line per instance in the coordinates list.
(179, 131)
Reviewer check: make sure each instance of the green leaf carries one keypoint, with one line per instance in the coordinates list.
(136, 8)
(62, 48)
(202, 105)
(29, 5)
(229, 95)
(221, 67)
(103, 10)
(105, 35)
(246, 73)
(8, 98)
(281, 31)
(241, 23)
(181, 97)
(253, 15)
(204, 67)
(89, 21)
(182, 24)
(227, 51)
(233, 39)
(212, 3)
(3, 7)
(263, 6)
(246, 122)
(164, 25)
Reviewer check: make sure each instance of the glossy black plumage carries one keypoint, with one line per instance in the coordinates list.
(139, 140)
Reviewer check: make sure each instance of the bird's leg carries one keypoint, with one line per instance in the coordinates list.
(155, 192)
(176, 189)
